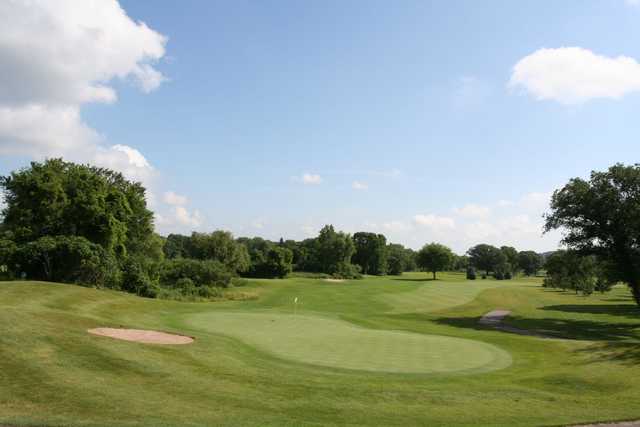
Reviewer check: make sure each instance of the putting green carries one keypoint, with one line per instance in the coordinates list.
(339, 344)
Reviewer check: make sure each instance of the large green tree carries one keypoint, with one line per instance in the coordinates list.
(601, 216)
(222, 247)
(529, 262)
(486, 257)
(58, 198)
(334, 251)
(371, 252)
(434, 257)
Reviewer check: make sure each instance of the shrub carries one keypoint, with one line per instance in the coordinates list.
(200, 272)
(347, 271)
(69, 259)
(471, 273)
(136, 280)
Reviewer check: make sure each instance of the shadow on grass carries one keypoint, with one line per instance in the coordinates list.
(587, 330)
(425, 279)
(627, 310)
(624, 353)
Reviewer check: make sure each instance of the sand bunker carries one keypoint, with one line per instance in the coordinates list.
(334, 280)
(139, 335)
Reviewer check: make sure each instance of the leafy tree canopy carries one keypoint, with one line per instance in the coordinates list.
(601, 217)
(434, 257)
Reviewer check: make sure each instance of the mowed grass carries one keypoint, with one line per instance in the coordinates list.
(340, 344)
(53, 373)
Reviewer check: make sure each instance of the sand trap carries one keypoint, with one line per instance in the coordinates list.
(494, 317)
(334, 280)
(139, 335)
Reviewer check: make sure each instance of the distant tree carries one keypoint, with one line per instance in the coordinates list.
(511, 259)
(601, 217)
(434, 257)
(177, 246)
(460, 262)
(486, 257)
(529, 262)
(370, 253)
(268, 260)
(471, 273)
(399, 259)
(334, 251)
(569, 270)
(220, 246)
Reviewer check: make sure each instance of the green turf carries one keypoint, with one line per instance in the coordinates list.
(339, 344)
(52, 373)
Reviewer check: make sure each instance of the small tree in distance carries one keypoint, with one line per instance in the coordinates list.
(435, 257)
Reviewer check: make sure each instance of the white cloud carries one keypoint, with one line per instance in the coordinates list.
(357, 185)
(396, 226)
(573, 75)
(632, 2)
(472, 211)
(57, 56)
(435, 222)
(311, 179)
(175, 199)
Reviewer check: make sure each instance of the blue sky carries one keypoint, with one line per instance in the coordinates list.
(274, 118)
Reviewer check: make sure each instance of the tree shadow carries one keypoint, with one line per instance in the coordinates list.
(426, 279)
(626, 310)
(587, 330)
(623, 353)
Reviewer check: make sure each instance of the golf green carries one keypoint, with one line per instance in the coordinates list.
(339, 344)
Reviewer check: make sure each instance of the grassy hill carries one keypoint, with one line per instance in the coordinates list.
(380, 351)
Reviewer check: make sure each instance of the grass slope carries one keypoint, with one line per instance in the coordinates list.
(53, 373)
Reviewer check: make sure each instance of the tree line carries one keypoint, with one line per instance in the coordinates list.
(82, 224)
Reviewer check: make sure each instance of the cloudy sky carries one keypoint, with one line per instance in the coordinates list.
(426, 121)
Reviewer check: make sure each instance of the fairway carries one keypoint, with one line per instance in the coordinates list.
(382, 351)
(339, 344)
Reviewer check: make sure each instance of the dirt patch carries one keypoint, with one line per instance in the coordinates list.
(143, 336)
(334, 280)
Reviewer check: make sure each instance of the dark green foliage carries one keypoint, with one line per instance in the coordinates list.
(529, 262)
(399, 259)
(434, 257)
(200, 272)
(268, 260)
(370, 253)
(58, 198)
(136, 279)
(486, 257)
(460, 263)
(69, 259)
(334, 250)
(569, 270)
(602, 217)
(471, 273)
(177, 246)
(222, 247)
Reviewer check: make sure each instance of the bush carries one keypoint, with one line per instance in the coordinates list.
(347, 271)
(200, 272)
(136, 280)
(68, 259)
(471, 273)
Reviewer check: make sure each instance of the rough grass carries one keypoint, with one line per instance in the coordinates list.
(53, 373)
